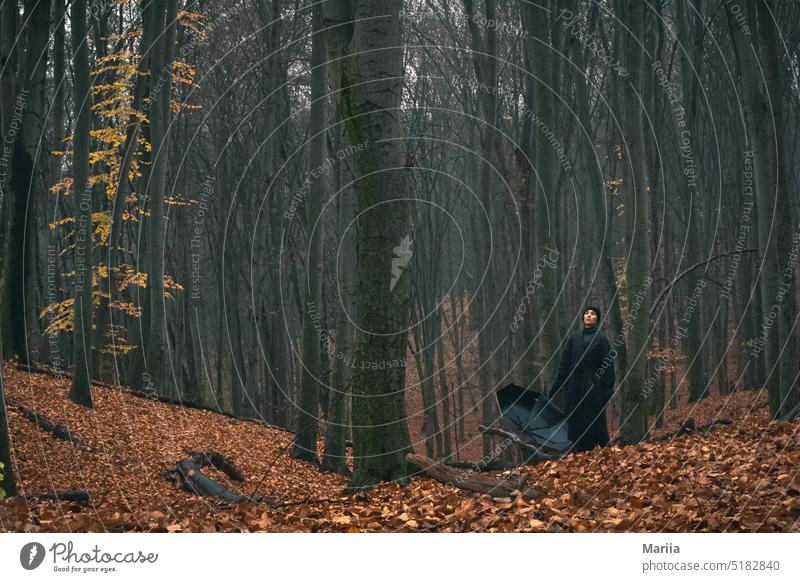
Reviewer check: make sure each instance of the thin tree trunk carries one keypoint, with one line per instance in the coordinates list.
(633, 413)
(162, 18)
(768, 339)
(80, 392)
(305, 440)
(337, 418)
(787, 242)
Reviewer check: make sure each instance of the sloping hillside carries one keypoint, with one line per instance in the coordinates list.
(738, 477)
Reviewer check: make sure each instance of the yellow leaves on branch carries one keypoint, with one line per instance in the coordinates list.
(195, 22)
(183, 73)
(64, 187)
(129, 276)
(60, 315)
(177, 201)
(113, 101)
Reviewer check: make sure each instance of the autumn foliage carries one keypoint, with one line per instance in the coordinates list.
(738, 477)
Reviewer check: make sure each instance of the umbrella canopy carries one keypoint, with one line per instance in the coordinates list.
(532, 417)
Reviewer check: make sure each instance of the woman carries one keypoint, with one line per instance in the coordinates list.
(586, 376)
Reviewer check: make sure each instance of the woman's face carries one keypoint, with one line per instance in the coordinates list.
(590, 317)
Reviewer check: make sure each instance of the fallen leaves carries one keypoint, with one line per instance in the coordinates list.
(741, 477)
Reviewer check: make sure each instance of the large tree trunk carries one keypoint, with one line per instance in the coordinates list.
(787, 242)
(8, 71)
(12, 322)
(599, 265)
(757, 122)
(80, 392)
(484, 63)
(544, 215)
(27, 184)
(633, 421)
(9, 483)
(372, 86)
(59, 76)
(691, 67)
(162, 18)
(337, 419)
(305, 440)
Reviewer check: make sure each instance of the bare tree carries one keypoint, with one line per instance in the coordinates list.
(371, 86)
(81, 392)
(305, 440)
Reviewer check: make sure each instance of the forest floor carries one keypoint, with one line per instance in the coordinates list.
(738, 477)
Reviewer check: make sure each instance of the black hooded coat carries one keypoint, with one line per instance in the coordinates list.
(586, 377)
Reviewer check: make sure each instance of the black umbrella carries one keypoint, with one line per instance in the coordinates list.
(534, 419)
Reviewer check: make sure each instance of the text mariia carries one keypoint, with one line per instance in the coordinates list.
(668, 548)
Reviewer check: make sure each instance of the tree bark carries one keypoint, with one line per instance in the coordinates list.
(81, 392)
(338, 419)
(787, 241)
(372, 86)
(633, 419)
(162, 18)
(9, 482)
(314, 328)
(755, 109)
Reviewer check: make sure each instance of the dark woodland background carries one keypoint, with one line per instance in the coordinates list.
(354, 220)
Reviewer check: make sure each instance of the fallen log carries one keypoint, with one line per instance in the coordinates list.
(218, 461)
(198, 483)
(480, 466)
(189, 473)
(45, 424)
(540, 453)
(474, 481)
(79, 496)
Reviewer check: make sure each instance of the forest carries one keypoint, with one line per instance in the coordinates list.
(399, 265)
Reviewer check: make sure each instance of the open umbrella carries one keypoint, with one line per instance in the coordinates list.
(534, 419)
